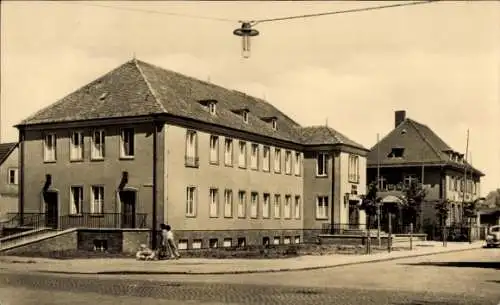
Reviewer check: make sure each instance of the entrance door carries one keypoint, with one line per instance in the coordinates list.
(353, 215)
(128, 208)
(51, 209)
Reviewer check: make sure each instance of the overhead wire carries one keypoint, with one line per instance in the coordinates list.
(154, 12)
(254, 22)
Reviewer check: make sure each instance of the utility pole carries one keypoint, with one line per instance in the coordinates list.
(378, 188)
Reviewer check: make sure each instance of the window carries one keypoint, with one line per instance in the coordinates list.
(287, 240)
(245, 116)
(213, 243)
(212, 107)
(228, 242)
(455, 183)
(322, 207)
(288, 162)
(277, 160)
(297, 239)
(298, 164)
(13, 176)
(287, 210)
(321, 164)
(242, 202)
(242, 156)
(183, 244)
(277, 240)
(49, 148)
(275, 124)
(228, 203)
(76, 200)
(266, 158)
(214, 202)
(277, 206)
(409, 179)
(254, 204)
(197, 244)
(382, 183)
(97, 204)
(191, 149)
(254, 158)
(297, 207)
(214, 149)
(266, 206)
(127, 143)
(353, 169)
(397, 152)
(76, 150)
(228, 152)
(191, 201)
(242, 242)
(97, 149)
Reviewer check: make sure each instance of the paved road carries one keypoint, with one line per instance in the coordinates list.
(469, 277)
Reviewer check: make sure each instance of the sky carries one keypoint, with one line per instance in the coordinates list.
(440, 61)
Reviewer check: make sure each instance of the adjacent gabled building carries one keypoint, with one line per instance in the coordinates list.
(413, 152)
(9, 179)
(221, 167)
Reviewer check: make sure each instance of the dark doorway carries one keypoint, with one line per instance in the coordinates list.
(353, 215)
(128, 200)
(51, 209)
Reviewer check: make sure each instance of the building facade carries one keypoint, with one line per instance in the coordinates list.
(143, 145)
(9, 171)
(412, 152)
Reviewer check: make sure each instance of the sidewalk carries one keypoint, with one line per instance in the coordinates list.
(218, 266)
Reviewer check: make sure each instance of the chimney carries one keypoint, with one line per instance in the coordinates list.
(399, 117)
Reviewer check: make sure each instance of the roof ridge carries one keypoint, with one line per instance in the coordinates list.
(148, 84)
(218, 86)
(424, 138)
(333, 132)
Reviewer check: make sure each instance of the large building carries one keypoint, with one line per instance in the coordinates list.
(413, 152)
(9, 179)
(221, 167)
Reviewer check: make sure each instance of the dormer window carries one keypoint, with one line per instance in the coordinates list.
(243, 112)
(245, 116)
(271, 120)
(396, 152)
(212, 107)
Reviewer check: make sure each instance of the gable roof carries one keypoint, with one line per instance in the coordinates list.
(5, 150)
(320, 135)
(421, 146)
(137, 88)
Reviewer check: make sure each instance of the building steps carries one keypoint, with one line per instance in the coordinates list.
(28, 237)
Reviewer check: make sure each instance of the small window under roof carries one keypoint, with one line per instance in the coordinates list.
(243, 112)
(396, 152)
(211, 105)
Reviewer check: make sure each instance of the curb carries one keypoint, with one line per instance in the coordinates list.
(253, 271)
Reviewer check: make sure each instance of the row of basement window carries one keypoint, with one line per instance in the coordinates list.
(213, 243)
(288, 208)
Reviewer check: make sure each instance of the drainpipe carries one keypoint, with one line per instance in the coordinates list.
(20, 189)
(333, 194)
(155, 144)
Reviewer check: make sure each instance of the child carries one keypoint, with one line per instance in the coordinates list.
(145, 254)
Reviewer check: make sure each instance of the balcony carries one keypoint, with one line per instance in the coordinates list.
(190, 161)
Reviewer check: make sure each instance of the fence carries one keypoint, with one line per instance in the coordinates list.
(85, 220)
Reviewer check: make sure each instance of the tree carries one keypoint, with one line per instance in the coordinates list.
(414, 195)
(442, 211)
(370, 201)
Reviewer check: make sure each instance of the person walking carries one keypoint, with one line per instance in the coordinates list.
(168, 237)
